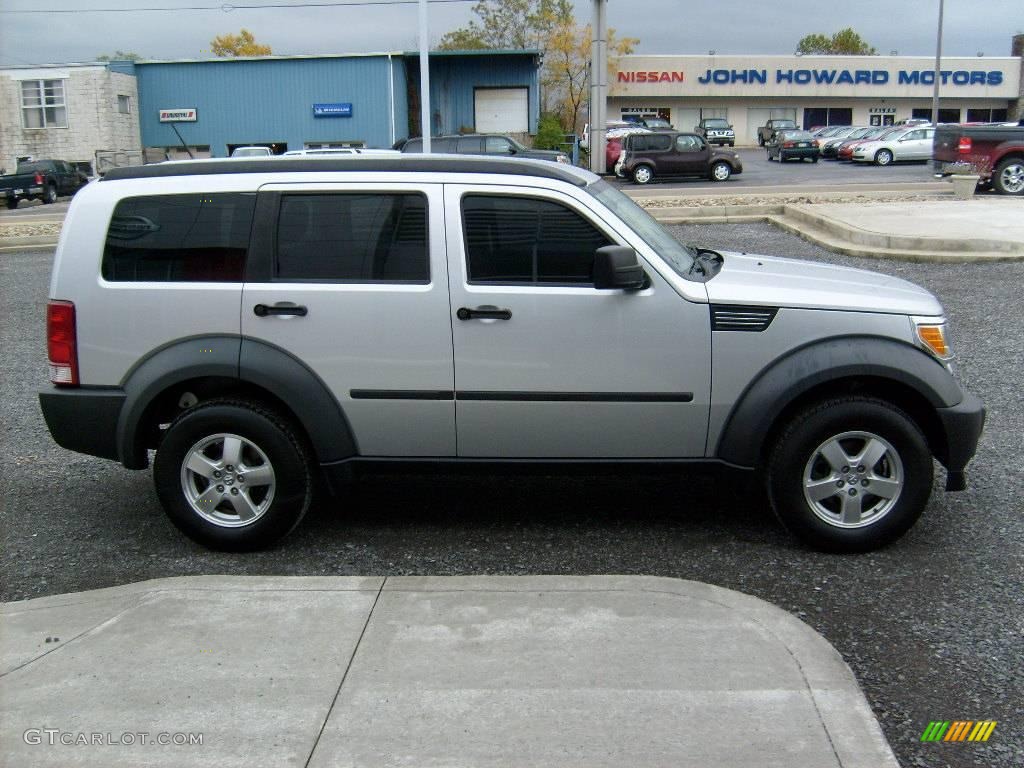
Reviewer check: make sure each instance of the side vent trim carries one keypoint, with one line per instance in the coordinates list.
(733, 317)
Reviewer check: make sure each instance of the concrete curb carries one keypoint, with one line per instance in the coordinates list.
(844, 238)
(29, 241)
(435, 670)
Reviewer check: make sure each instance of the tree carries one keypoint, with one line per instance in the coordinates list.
(550, 27)
(845, 42)
(242, 44)
(119, 56)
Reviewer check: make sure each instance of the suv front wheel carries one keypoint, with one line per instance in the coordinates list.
(850, 474)
(643, 174)
(233, 475)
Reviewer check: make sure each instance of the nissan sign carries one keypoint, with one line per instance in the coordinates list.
(186, 115)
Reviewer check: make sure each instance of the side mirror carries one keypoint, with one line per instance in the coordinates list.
(616, 266)
(511, 149)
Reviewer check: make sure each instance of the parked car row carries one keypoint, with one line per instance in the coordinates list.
(880, 145)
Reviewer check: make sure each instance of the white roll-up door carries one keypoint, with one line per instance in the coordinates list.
(502, 110)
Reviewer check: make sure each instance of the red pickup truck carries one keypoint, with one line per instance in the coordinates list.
(994, 152)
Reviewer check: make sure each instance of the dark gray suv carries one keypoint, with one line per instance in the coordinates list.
(483, 144)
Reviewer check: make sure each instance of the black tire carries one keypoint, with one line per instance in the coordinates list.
(720, 171)
(643, 174)
(850, 418)
(760, 141)
(1008, 177)
(732, 143)
(814, 159)
(883, 157)
(281, 445)
(12, 203)
(50, 195)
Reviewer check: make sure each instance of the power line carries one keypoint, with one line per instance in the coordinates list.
(228, 7)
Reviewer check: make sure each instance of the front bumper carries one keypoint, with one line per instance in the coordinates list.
(961, 427)
(84, 420)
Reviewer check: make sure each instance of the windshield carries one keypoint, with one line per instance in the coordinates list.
(783, 124)
(251, 152)
(657, 122)
(716, 124)
(675, 254)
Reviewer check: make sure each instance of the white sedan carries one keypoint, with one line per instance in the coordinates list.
(912, 144)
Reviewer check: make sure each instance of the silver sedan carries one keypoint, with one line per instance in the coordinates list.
(913, 144)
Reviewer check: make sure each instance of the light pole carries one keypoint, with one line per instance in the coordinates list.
(599, 86)
(938, 68)
(424, 78)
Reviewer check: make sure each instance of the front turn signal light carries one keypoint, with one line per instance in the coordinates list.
(933, 337)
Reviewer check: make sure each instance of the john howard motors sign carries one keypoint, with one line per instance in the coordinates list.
(812, 76)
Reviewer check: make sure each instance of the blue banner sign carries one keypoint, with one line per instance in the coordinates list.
(332, 110)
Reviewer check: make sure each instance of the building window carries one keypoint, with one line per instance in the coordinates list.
(124, 104)
(42, 104)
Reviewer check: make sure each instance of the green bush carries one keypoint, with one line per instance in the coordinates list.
(549, 133)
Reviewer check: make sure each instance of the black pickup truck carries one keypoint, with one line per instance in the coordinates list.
(44, 180)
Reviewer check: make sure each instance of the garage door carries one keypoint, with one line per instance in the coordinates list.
(502, 110)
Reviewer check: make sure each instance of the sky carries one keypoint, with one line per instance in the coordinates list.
(663, 26)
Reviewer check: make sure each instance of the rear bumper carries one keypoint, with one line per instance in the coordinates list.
(799, 152)
(962, 426)
(84, 420)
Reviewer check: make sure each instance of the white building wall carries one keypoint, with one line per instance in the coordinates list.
(93, 120)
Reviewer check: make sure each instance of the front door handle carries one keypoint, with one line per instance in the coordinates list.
(483, 313)
(262, 310)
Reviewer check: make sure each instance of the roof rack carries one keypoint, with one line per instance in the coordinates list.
(359, 164)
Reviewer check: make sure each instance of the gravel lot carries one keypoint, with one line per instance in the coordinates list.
(933, 626)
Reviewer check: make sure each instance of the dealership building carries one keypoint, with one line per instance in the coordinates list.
(814, 90)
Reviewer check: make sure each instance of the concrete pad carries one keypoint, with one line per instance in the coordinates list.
(431, 671)
(254, 670)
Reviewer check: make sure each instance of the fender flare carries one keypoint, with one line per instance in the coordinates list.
(246, 360)
(774, 388)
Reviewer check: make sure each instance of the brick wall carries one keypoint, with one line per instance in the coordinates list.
(94, 123)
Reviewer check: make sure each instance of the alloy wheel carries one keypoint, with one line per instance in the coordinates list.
(227, 480)
(852, 480)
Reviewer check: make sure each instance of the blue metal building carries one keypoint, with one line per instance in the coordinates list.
(293, 102)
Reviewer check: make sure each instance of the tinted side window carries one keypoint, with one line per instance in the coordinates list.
(353, 238)
(523, 240)
(179, 238)
(470, 145)
(496, 145)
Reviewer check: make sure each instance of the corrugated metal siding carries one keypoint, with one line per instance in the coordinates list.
(453, 80)
(260, 101)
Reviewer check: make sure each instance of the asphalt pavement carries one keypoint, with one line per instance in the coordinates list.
(932, 626)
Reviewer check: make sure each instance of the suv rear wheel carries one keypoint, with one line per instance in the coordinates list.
(850, 474)
(720, 171)
(643, 174)
(233, 475)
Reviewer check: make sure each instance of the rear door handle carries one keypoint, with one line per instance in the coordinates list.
(262, 310)
(483, 313)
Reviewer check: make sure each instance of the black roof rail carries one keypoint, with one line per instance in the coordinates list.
(359, 164)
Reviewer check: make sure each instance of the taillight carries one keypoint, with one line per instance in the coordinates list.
(39, 178)
(965, 145)
(62, 343)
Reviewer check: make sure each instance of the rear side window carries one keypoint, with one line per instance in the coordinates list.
(527, 241)
(471, 145)
(179, 238)
(644, 142)
(360, 238)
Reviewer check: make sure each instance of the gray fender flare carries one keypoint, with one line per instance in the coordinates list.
(233, 357)
(775, 387)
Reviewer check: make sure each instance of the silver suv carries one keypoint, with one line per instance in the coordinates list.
(260, 323)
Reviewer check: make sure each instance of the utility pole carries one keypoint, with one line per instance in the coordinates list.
(599, 86)
(938, 68)
(424, 78)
